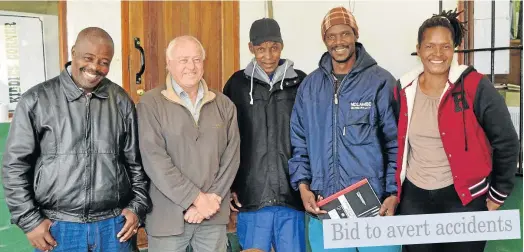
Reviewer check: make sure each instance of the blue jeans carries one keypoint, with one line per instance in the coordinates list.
(279, 227)
(97, 236)
(316, 240)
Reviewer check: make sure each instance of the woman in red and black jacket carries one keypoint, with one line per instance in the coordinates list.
(458, 149)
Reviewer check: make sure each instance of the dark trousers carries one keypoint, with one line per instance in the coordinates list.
(419, 201)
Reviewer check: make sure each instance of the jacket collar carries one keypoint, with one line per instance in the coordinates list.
(455, 72)
(72, 91)
(363, 61)
(169, 92)
(284, 71)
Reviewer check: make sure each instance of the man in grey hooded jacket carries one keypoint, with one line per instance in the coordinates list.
(270, 211)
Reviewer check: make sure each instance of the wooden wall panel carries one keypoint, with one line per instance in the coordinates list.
(206, 27)
(153, 42)
(230, 40)
(460, 7)
(467, 43)
(124, 6)
(62, 33)
(135, 10)
(214, 23)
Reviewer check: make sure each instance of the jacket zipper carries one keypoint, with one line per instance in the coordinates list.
(335, 123)
(337, 86)
(190, 114)
(196, 123)
(87, 178)
(270, 96)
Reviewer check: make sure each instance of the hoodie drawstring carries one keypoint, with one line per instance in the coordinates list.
(251, 90)
(283, 77)
(253, 74)
(463, 116)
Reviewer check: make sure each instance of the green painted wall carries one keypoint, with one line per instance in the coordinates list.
(13, 240)
(513, 202)
(39, 7)
(512, 97)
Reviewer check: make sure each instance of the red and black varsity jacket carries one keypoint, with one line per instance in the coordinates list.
(475, 126)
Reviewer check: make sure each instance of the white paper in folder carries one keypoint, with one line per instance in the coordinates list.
(4, 113)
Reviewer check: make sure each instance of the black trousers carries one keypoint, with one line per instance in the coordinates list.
(445, 200)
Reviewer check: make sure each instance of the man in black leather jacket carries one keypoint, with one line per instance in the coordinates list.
(72, 171)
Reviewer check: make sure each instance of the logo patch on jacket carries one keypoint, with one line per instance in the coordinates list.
(459, 102)
(360, 105)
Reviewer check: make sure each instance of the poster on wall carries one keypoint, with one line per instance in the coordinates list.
(22, 60)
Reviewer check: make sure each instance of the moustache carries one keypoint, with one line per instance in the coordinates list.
(83, 69)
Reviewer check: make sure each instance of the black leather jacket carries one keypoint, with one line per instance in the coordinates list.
(72, 156)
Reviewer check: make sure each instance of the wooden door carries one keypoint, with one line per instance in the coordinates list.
(155, 23)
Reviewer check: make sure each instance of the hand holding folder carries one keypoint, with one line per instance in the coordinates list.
(356, 201)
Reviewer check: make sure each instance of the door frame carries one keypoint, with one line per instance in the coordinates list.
(62, 33)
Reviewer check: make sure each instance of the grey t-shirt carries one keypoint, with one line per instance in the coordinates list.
(428, 166)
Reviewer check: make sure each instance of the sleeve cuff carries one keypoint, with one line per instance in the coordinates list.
(497, 196)
(388, 194)
(190, 198)
(31, 222)
(296, 186)
(304, 181)
(139, 214)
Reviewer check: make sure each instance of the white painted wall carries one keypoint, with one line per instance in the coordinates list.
(388, 29)
(51, 46)
(104, 14)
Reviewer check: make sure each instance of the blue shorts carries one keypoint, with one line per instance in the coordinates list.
(280, 227)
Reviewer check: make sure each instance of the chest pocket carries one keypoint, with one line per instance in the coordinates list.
(285, 99)
(359, 127)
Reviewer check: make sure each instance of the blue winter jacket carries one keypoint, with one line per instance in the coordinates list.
(340, 138)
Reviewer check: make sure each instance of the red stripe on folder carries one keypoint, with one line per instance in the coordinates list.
(338, 194)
